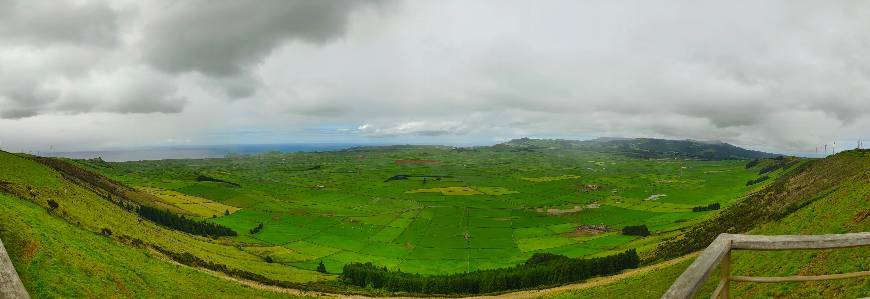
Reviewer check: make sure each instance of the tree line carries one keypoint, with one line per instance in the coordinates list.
(636, 230)
(710, 207)
(542, 269)
(757, 180)
(173, 221)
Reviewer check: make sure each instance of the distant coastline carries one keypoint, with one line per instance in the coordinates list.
(197, 152)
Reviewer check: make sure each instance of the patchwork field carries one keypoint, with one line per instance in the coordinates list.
(194, 205)
(297, 220)
(433, 209)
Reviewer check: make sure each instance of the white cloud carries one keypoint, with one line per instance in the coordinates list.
(773, 75)
(415, 128)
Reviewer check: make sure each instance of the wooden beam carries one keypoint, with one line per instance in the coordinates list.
(800, 277)
(10, 284)
(725, 274)
(718, 291)
(690, 282)
(757, 242)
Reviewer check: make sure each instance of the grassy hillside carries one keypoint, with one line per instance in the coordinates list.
(832, 196)
(82, 214)
(56, 259)
(802, 183)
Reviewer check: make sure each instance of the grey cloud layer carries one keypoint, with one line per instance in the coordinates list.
(79, 57)
(46, 23)
(776, 75)
(225, 37)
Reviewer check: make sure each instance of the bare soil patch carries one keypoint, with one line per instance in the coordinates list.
(589, 230)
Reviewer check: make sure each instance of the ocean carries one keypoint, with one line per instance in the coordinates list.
(197, 152)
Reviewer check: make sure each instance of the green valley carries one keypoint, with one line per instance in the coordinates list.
(299, 220)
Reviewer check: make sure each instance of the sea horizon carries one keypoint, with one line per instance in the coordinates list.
(196, 151)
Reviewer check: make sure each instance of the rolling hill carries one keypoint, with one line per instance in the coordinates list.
(647, 148)
(70, 238)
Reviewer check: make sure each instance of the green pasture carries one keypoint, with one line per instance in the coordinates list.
(472, 209)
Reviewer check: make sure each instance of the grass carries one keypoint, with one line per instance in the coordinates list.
(551, 178)
(478, 209)
(838, 210)
(55, 259)
(84, 209)
(193, 205)
(449, 191)
(495, 190)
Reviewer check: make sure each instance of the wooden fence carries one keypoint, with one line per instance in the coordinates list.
(719, 253)
(10, 284)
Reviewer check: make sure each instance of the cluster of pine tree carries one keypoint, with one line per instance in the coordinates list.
(752, 163)
(538, 271)
(757, 180)
(181, 223)
(778, 162)
(256, 229)
(710, 207)
(636, 230)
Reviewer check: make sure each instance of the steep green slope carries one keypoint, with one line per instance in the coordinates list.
(86, 211)
(56, 259)
(803, 184)
(830, 196)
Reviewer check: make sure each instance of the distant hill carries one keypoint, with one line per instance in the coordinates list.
(649, 148)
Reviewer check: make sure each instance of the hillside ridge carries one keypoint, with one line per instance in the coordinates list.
(650, 148)
(799, 187)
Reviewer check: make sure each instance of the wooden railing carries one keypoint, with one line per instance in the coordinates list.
(10, 284)
(719, 253)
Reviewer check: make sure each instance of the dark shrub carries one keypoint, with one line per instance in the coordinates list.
(636, 230)
(752, 163)
(710, 207)
(52, 205)
(757, 180)
(256, 229)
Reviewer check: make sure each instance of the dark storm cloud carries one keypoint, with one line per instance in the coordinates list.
(223, 38)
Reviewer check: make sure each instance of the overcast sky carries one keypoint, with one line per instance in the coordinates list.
(784, 76)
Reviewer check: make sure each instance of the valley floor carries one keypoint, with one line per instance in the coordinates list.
(87, 247)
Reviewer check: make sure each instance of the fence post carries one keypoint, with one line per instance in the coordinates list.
(10, 284)
(719, 253)
(725, 274)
